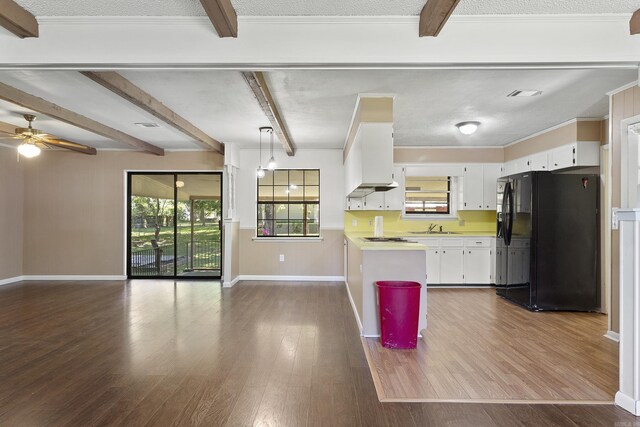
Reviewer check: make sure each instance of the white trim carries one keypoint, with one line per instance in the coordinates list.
(72, 277)
(353, 308)
(552, 128)
(627, 403)
(331, 19)
(623, 88)
(10, 280)
(445, 147)
(231, 284)
(287, 239)
(275, 278)
(613, 336)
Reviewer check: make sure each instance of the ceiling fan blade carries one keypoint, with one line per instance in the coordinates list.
(73, 146)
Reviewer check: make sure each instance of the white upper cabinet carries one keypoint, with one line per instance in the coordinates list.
(490, 175)
(374, 202)
(576, 154)
(394, 199)
(479, 187)
(539, 161)
(369, 162)
(472, 188)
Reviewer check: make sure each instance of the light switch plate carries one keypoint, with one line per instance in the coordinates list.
(615, 224)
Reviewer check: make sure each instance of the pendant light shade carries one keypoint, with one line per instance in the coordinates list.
(260, 172)
(272, 161)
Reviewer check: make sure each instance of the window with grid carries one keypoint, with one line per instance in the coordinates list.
(427, 195)
(289, 203)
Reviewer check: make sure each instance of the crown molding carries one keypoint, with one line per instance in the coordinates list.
(623, 88)
(324, 20)
(552, 128)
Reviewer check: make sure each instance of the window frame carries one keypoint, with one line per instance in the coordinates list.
(303, 202)
(452, 189)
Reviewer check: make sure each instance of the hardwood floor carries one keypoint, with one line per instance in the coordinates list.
(191, 353)
(480, 347)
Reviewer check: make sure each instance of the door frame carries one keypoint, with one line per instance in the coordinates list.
(127, 221)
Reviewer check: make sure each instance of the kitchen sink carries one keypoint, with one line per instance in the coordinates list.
(435, 232)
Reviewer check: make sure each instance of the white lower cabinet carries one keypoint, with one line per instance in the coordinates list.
(433, 266)
(460, 261)
(451, 272)
(477, 266)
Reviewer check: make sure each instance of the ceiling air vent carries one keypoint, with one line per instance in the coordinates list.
(524, 93)
(148, 125)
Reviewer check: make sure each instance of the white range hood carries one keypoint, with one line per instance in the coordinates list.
(369, 162)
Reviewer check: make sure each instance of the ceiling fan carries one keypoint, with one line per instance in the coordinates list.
(34, 140)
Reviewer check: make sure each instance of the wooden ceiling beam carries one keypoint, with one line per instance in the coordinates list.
(17, 20)
(7, 128)
(143, 100)
(258, 85)
(634, 23)
(434, 15)
(223, 17)
(42, 106)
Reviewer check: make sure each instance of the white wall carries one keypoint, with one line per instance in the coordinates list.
(331, 183)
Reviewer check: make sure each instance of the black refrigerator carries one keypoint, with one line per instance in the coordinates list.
(547, 251)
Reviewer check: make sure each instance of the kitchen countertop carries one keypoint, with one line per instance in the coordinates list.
(358, 239)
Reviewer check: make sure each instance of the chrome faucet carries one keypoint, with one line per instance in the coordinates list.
(431, 227)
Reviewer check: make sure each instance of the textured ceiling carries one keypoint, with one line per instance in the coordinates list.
(318, 105)
(322, 8)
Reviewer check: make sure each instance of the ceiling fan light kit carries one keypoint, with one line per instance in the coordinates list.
(34, 140)
(28, 150)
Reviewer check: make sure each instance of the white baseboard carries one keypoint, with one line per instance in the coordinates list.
(72, 278)
(628, 403)
(613, 336)
(11, 280)
(231, 284)
(353, 307)
(293, 278)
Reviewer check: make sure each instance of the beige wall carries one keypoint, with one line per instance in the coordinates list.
(302, 258)
(571, 132)
(403, 155)
(74, 207)
(11, 214)
(624, 105)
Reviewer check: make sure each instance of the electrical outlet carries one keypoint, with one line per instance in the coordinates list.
(615, 224)
(370, 223)
(281, 257)
(354, 222)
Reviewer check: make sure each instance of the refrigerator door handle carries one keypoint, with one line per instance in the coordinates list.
(509, 218)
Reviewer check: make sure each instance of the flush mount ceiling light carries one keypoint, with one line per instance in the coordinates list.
(179, 184)
(467, 128)
(521, 93)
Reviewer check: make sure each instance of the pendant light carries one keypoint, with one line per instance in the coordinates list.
(260, 173)
(271, 165)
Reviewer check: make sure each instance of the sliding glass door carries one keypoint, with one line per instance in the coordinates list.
(174, 225)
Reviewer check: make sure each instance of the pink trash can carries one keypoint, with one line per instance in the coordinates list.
(399, 305)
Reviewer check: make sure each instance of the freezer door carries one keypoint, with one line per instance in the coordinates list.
(519, 232)
(501, 247)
